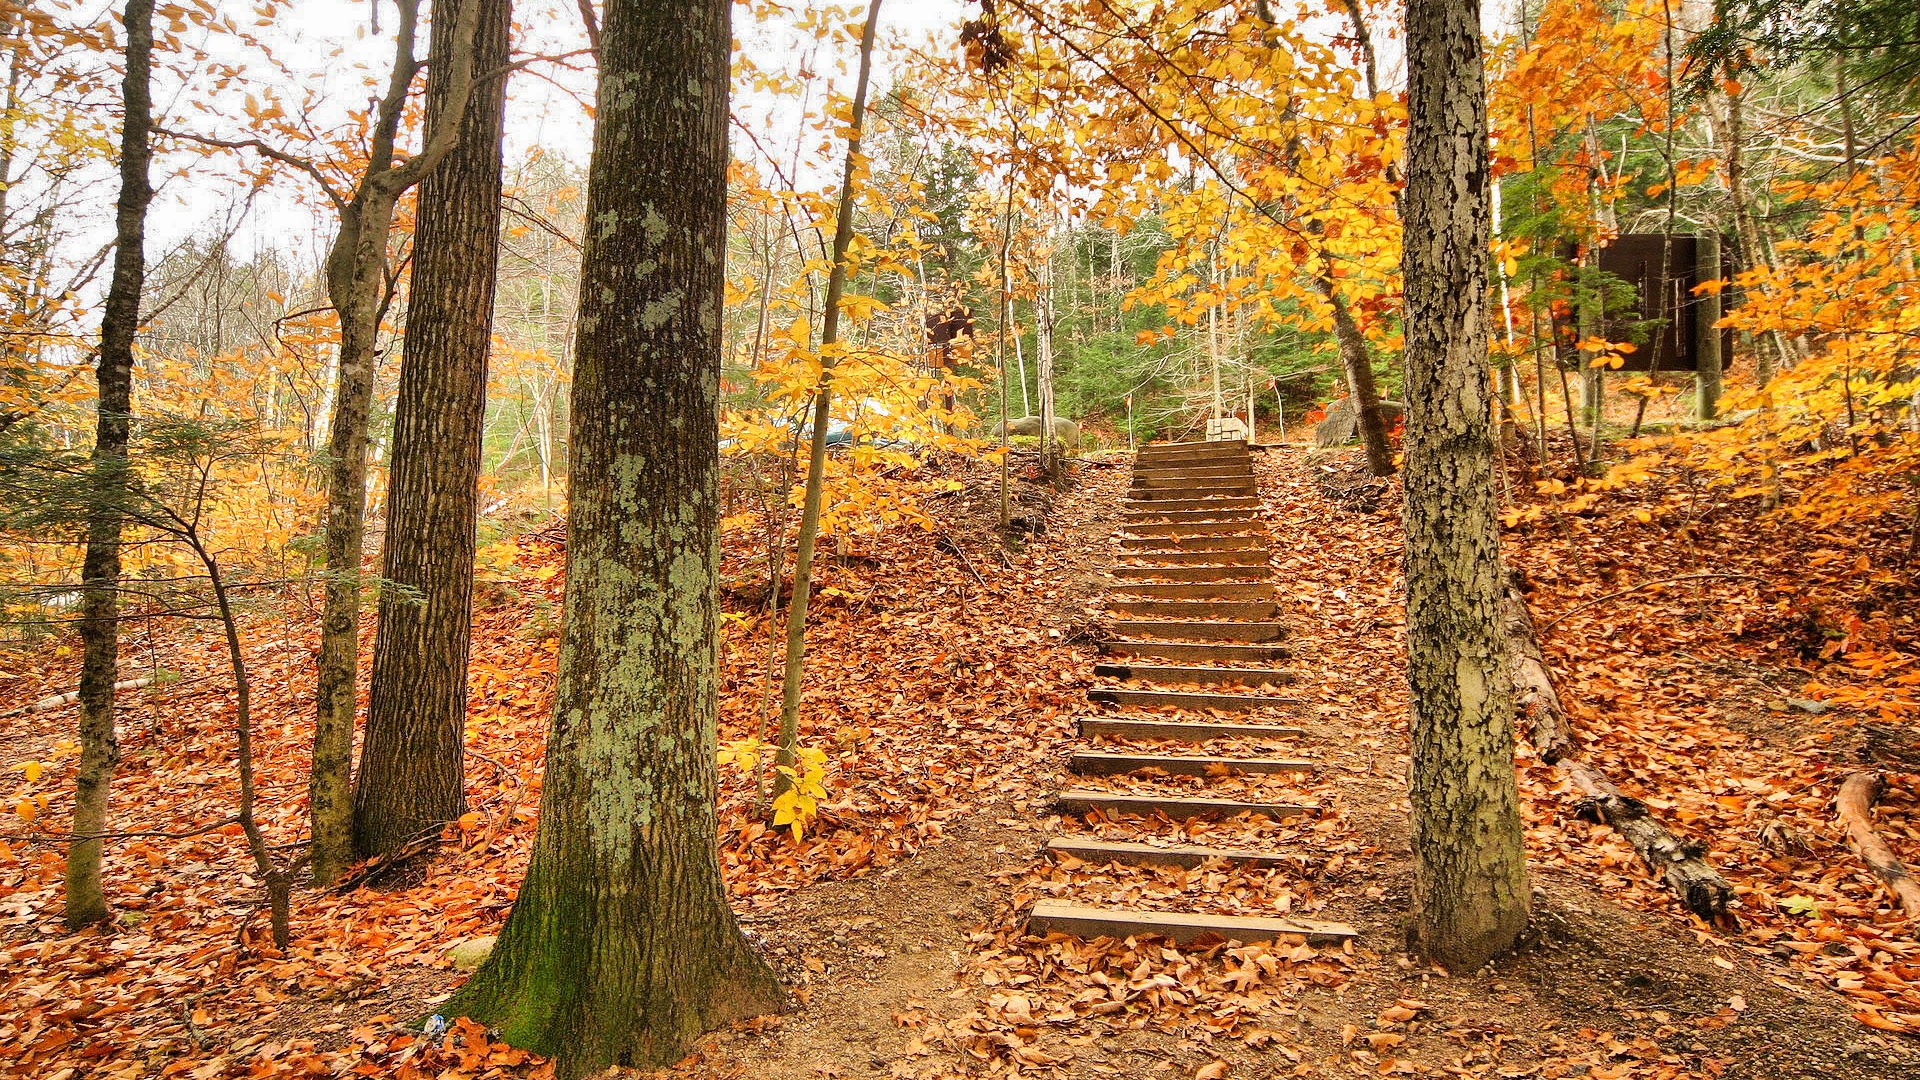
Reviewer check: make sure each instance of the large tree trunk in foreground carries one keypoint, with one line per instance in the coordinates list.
(86, 900)
(1470, 878)
(410, 779)
(621, 948)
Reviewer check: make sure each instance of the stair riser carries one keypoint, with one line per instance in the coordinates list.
(1195, 652)
(1101, 852)
(1242, 633)
(1191, 528)
(1184, 675)
(1251, 610)
(1179, 574)
(1093, 764)
(1176, 809)
(1248, 557)
(1192, 731)
(1193, 701)
(1183, 928)
(1252, 590)
(1138, 544)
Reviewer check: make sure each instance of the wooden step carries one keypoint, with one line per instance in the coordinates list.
(1132, 727)
(1182, 928)
(1243, 633)
(1195, 651)
(1193, 700)
(1242, 557)
(1102, 852)
(1247, 513)
(1175, 459)
(1197, 609)
(1229, 473)
(1241, 542)
(1127, 575)
(1194, 445)
(1198, 676)
(1174, 486)
(1197, 590)
(1190, 528)
(1100, 763)
(1222, 504)
(1174, 807)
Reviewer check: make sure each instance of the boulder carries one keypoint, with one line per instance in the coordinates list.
(1342, 424)
(1065, 431)
(471, 953)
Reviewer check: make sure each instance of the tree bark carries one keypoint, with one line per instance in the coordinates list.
(621, 948)
(410, 778)
(86, 901)
(1708, 376)
(1536, 705)
(1470, 883)
(1357, 359)
(1043, 324)
(786, 751)
(356, 276)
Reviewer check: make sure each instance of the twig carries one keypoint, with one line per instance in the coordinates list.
(1549, 624)
(42, 838)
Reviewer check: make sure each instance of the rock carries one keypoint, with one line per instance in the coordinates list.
(1342, 424)
(471, 953)
(1807, 705)
(1065, 431)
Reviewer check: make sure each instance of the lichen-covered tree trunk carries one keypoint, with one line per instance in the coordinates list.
(410, 780)
(86, 900)
(1470, 884)
(621, 948)
(355, 283)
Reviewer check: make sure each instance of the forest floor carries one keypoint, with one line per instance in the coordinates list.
(944, 674)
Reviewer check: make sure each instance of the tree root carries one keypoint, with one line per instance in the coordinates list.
(1854, 805)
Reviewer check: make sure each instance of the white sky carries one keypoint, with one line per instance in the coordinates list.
(328, 46)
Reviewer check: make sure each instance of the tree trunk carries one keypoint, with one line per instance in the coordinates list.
(621, 949)
(86, 901)
(1357, 359)
(1043, 322)
(410, 762)
(1470, 883)
(1707, 377)
(786, 752)
(356, 275)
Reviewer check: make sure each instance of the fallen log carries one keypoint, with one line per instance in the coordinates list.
(1536, 708)
(54, 701)
(1858, 792)
(1680, 864)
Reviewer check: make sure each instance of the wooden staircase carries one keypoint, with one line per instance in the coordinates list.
(1194, 637)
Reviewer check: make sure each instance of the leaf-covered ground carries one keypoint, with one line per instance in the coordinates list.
(944, 673)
